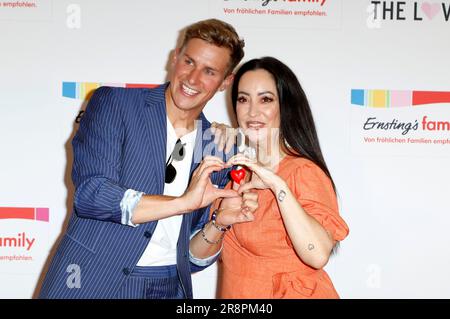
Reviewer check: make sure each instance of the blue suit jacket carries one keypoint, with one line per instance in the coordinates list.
(120, 144)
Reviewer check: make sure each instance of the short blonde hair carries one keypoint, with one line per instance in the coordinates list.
(219, 33)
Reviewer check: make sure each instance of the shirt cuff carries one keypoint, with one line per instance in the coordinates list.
(205, 261)
(127, 205)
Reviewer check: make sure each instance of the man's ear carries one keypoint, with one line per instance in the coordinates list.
(227, 82)
(175, 56)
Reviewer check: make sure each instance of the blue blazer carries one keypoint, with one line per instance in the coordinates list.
(120, 144)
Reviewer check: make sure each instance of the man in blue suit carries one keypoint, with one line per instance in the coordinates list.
(145, 177)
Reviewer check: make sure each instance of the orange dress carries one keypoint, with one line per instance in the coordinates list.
(258, 259)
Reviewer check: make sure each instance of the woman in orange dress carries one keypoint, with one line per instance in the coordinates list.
(282, 251)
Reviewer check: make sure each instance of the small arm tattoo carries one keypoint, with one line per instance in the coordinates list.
(281, 195)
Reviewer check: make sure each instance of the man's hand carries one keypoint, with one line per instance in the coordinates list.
(201, 192)
(224, 136)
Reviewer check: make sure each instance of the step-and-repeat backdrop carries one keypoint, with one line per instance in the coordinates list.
(377, 77)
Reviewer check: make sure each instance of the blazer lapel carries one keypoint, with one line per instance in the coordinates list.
(185, 232)
(156, 134)
(201, 142)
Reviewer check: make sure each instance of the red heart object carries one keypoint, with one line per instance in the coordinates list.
(237, 175)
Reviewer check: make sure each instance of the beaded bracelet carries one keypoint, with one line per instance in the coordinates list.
(207, 240)
(213, 218)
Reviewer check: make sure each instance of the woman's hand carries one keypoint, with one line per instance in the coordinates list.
(238, 209)
(262, 178)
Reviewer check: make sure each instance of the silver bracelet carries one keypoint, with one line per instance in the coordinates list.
(209, 241)
(281, 195)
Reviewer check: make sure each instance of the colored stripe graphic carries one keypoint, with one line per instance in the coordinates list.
(84, 90)
(391, 98)
(40, 214)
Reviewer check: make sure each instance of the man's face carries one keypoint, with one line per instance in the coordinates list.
(198, 71)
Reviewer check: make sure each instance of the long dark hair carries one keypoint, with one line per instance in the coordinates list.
(298, 135)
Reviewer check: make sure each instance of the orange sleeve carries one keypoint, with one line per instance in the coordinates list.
(315, 193)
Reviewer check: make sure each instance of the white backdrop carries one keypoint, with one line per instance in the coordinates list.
(359, 61)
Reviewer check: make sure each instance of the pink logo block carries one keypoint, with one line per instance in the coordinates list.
(401, 98)
(42, 214)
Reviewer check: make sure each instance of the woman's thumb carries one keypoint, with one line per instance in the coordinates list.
(245, 187)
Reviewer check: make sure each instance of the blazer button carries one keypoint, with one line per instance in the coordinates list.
(147, 234)
(126, 271)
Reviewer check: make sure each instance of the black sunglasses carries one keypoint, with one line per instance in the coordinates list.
(177, 155)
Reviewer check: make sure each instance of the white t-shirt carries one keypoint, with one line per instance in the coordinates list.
(162, 249)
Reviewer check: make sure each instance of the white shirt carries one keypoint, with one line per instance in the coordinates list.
(162, 249)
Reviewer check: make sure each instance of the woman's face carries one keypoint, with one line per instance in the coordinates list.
(257, 106)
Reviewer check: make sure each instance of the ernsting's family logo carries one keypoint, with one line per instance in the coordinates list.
(409, 120)
(390, 99)
(23, 232)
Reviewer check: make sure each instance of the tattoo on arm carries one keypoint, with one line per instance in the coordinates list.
(310, 247)
(281, 195)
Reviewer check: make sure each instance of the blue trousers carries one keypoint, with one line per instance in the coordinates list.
(156, 282)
